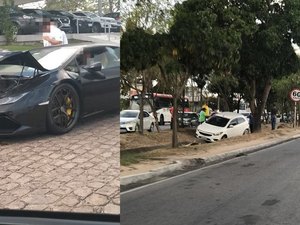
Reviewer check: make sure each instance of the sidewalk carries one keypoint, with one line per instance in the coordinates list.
(203, 155)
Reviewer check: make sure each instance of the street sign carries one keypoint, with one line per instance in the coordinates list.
(295, 95)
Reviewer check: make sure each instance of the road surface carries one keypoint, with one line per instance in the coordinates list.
(259, 189)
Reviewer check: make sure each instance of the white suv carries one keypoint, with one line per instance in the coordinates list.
(100, 23)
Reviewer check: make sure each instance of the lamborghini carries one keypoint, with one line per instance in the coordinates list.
(50, 89)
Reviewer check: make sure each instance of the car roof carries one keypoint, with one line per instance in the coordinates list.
(229, 115)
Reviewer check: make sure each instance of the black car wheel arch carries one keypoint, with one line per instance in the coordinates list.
(63, 110)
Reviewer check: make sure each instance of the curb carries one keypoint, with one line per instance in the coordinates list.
(181, 164)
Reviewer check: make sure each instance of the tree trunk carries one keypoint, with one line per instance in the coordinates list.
(258, 107)
(174, 121)
(154, 114)
(141, 126)
(142, 97)
(111, 5)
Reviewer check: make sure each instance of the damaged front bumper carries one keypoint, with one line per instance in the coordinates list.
(15, 119)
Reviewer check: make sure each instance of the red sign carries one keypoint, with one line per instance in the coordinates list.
(295, 95)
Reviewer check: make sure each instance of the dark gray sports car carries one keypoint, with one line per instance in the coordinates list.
(51, 88)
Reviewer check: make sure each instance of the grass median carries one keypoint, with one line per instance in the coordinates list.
(130, 157)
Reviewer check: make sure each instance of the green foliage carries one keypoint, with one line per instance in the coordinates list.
(154, 16)
(207, 34)
(267, 53)
(225, 87)
(281, 89)
(6, 26)
(139, 50)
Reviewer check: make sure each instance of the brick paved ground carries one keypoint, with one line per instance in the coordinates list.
(78, 171)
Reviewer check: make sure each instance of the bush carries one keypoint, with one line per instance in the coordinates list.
(7, 28)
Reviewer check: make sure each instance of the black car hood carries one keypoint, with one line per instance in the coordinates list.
(21, 58)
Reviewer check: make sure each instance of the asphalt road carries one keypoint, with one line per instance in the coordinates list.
(259, 189)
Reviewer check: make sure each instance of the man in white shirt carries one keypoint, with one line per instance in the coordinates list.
(52, 34)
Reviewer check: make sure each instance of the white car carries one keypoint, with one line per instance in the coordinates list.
(223, 125)
(100, 23)
(130, 122)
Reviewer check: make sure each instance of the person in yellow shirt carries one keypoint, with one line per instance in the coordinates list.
(205, 106)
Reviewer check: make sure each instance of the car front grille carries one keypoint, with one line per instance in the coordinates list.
(205, 134)
(7, 125)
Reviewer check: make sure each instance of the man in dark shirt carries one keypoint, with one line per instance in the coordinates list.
(273, 117)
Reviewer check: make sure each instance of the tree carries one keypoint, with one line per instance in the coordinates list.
(227, 89)
(7, 28)
(267, 53)
(174, 75)
(139, 54)
(281, 89)
(206, 36)
(151, 15)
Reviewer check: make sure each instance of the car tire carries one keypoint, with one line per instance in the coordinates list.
(224, 137)
(246, 132)
(136, 129)
(151, 129)
(16, 29)
(161, 120)
(96, 28)
(63, 109)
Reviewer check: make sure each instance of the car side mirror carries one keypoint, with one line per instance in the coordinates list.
(230, 126)
(94, 67)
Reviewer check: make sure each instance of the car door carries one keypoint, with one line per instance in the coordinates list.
(232, 128)
(100, 87)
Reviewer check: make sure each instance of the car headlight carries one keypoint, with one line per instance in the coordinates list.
(10, 100)
(217, 134)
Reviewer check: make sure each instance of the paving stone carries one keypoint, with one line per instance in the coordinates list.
(97, 200)
(73, 172)
(112, 208)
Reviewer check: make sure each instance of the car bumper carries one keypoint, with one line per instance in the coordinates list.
(17, 120)
(206, 136)
(127, 127)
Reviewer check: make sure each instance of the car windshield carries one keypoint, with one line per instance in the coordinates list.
(52, 58)
(79, 14)
(218, 121)
(128, 114)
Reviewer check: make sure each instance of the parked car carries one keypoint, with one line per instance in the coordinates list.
(100, 23)
(130, 122)
(22, 24)
(51, 88)
(190, 119)
(223, 125)
(85, 25)
(40, 16)
(115, 15)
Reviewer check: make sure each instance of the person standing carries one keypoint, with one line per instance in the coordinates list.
(251, 122)
(202, 115)
(52, 35)
(273, 117)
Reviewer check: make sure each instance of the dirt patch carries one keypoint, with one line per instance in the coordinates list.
(193, 147)
(135, 140)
